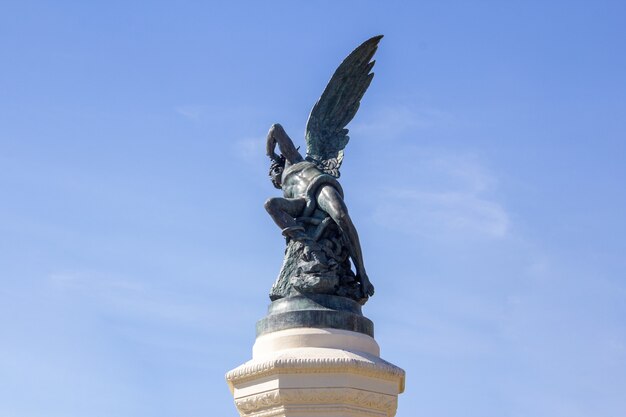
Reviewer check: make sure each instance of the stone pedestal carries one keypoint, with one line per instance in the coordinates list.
(316, 357)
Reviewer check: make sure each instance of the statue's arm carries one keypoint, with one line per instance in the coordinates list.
(278, 136)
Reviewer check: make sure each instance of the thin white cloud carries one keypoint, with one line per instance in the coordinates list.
(133, 300)
(213, 113)
(250, 149)
(392, 121)
(463, 172)
(458, 202)
(192, 112)
(437, 214)
(94, 281)
(440, 193)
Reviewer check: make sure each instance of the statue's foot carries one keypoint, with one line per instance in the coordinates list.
(367, 289)
(294, 232)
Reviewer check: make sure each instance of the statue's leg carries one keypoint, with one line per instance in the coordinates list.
(283, 211)
(329, 200)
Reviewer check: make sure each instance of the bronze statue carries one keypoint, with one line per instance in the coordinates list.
(321, 238)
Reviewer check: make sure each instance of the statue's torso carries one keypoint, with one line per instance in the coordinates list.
(297, 178)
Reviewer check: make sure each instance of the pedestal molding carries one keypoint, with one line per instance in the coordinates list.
(381, 369)
(344, 411)
(337, 397)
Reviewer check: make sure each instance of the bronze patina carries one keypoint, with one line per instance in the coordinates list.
(322, 241)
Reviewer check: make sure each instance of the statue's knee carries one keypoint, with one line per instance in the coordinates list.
(270, 204)
(274, 204)
(342, 218)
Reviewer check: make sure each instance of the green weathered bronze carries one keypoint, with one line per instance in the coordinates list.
(322, 241)
(317, 311)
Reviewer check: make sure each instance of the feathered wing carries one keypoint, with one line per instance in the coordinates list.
(326, 134)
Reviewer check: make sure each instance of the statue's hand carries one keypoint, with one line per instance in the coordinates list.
(367, 289)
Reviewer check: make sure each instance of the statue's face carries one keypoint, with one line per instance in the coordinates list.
(276, 174)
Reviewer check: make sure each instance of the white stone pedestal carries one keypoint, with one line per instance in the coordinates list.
(309, 372)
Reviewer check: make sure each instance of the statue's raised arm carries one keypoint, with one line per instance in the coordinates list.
(321, 238)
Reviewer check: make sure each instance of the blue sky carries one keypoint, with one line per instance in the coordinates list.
(485, 174)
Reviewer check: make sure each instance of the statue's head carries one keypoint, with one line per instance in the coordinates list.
(276, 171)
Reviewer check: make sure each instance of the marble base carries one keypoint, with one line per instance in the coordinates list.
(316, 372)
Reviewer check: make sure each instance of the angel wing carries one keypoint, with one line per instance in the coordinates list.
(326, 134)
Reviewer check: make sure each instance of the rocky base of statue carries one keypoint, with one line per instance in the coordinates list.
(316, 356)
(319, 265)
